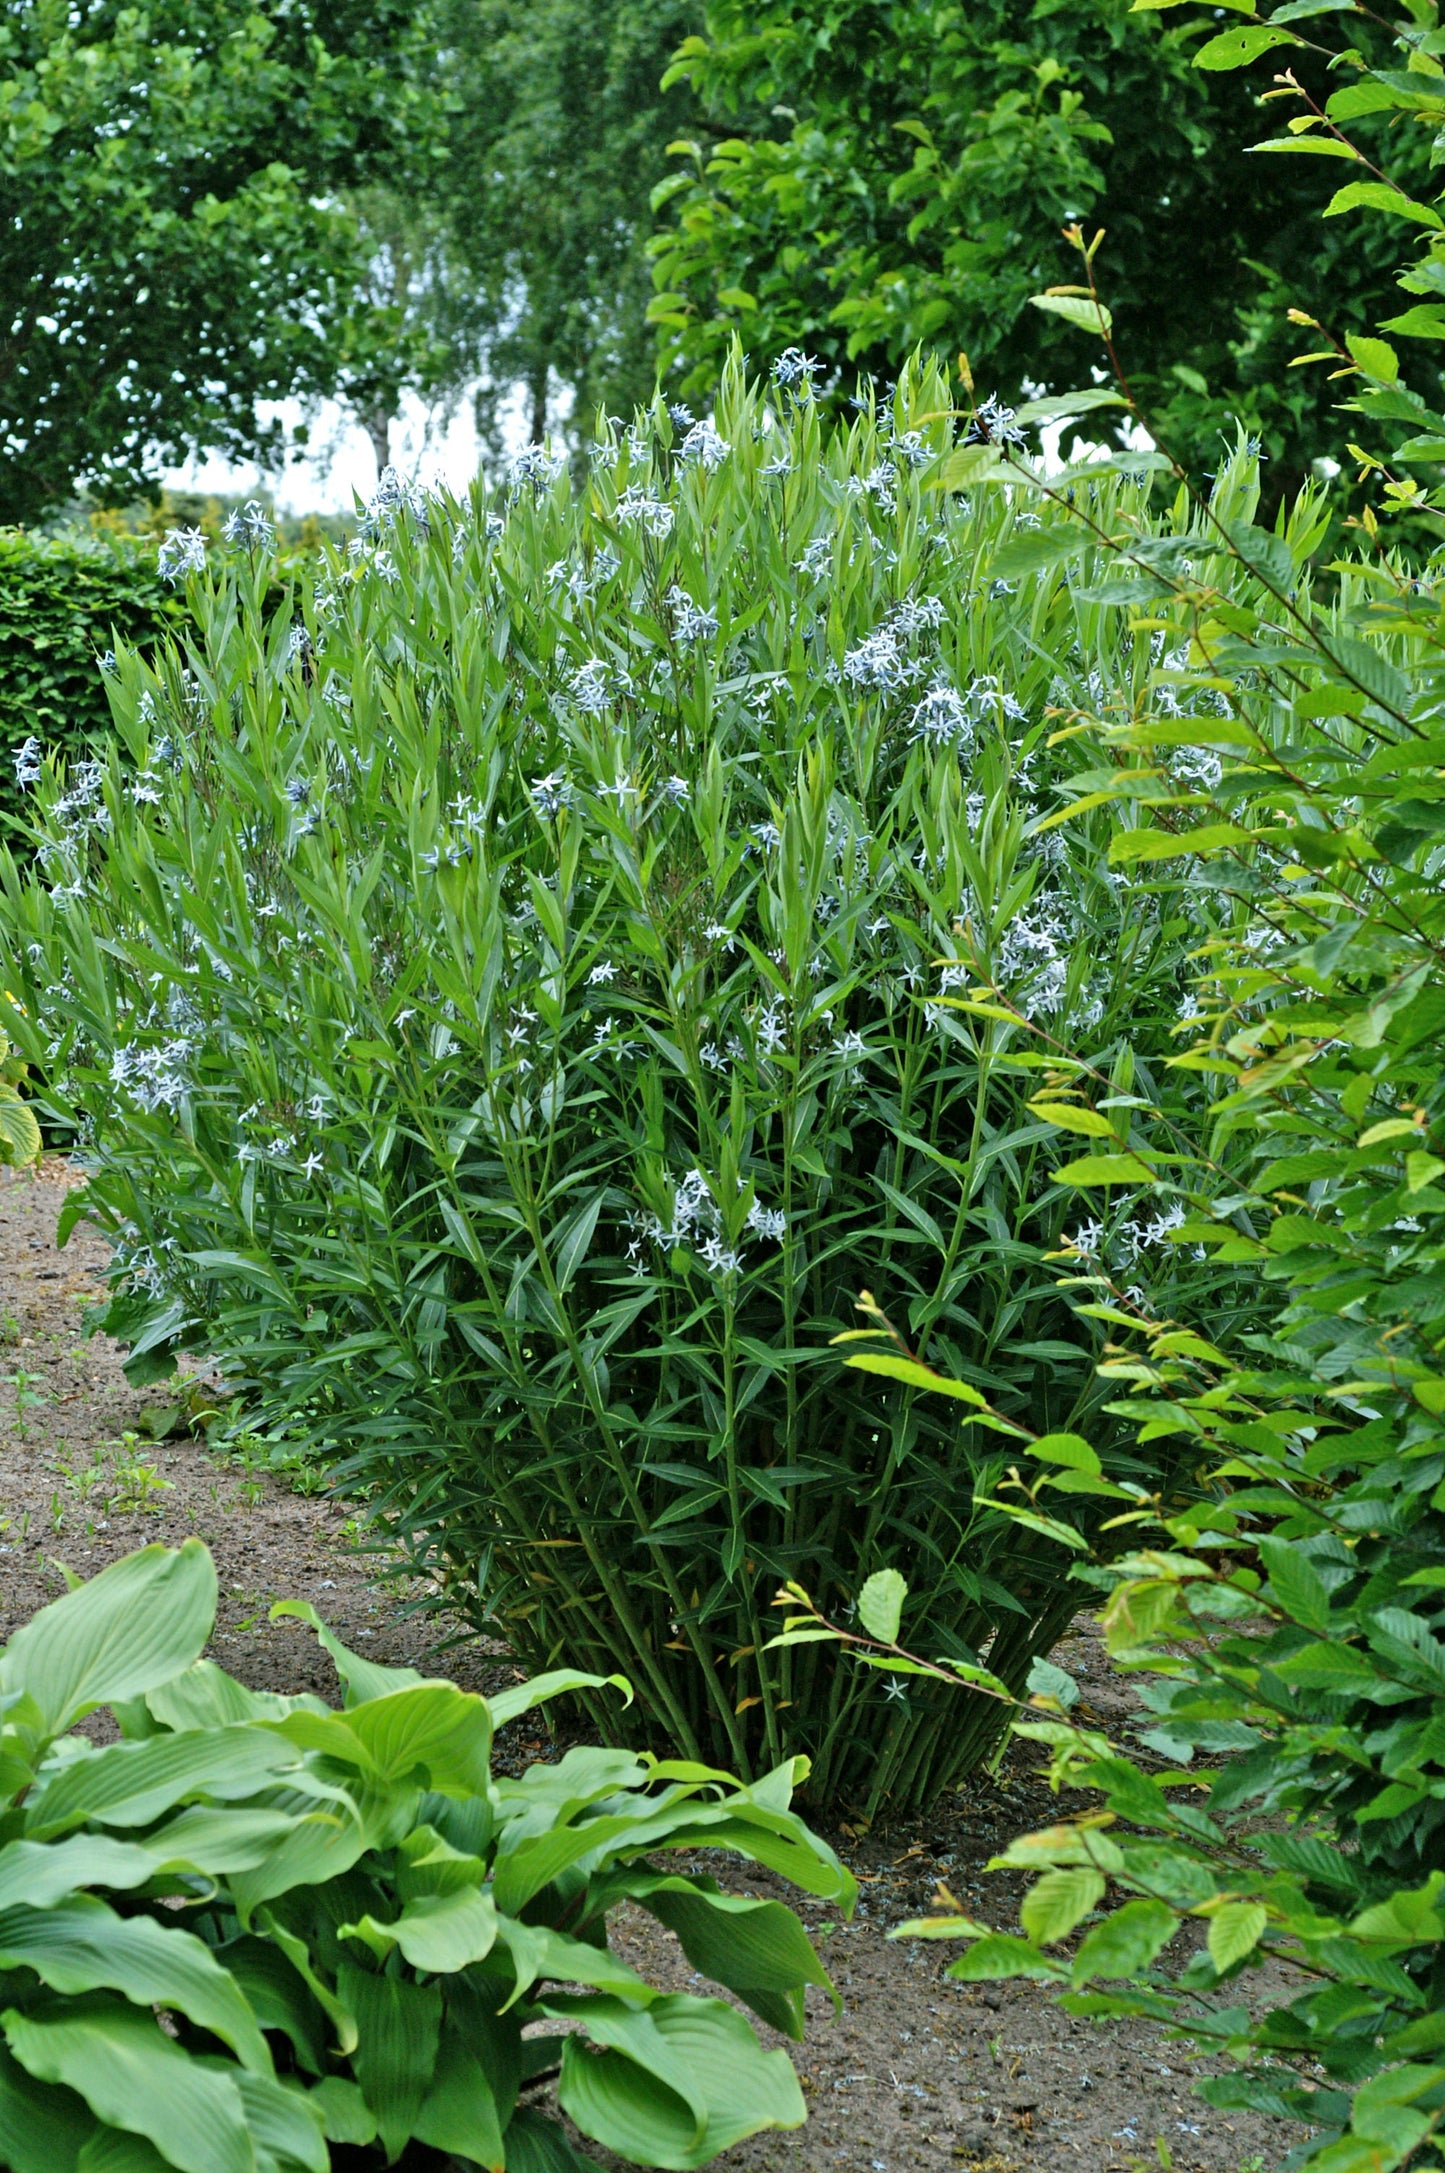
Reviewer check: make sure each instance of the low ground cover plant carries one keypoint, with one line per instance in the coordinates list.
(259, 1936)
(506, 1014)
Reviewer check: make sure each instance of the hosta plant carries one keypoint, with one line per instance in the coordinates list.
(20, 1139)
(255, 1935)
(507, 1014)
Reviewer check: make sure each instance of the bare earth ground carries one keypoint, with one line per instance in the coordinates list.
(918, 2072)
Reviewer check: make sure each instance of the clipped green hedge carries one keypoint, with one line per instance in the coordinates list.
(61, 606)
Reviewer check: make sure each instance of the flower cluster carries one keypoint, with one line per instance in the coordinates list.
(155, 1077)
(596, 685)
(992, 423)
(250, 527)
(637, 509)
(550, 794)
(689, 621)
(183, 552)
(697, 1223)
(795, 370)
(705, 444)
(394, 495)
(879, 661)
(536, 468)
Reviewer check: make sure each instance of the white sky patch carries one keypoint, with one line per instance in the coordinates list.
(426, 445)
(437, 446)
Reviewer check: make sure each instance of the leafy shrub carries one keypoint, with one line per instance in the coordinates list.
(62, 606)
(1286, 1793)
(256, 1928)
(507, 1019)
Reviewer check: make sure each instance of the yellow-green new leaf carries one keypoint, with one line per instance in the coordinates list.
(20, 1139)
(916, 1376)
(1071, 1117)
(1105, 1169)
(880, 1605)
(1058, 1901)
(1235, 1930)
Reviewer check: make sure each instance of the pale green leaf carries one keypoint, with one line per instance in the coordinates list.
(1055, 1903)
(437, 1933)
(134, 2077)
(677, 2085)
(1235, 1930)
(131, 1628)
(880, 1605)
(505, 1705)
(81, 1945)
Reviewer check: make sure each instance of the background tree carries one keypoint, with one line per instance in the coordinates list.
(173, 247)
(879, 173)
(413, 321)
(559, 134)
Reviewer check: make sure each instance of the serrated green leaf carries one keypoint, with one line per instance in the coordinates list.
(1296, 1584)
(1073, 1117)
(1076, 309)
(1235, 1930)
(1237, 48)
(1126, 1942)
(1058, 1901)
(880, 1605)
(915, 1375)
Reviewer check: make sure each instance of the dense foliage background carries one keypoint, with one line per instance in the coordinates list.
(524, 985)
(473, 202)
(172, 249)
(873, 177)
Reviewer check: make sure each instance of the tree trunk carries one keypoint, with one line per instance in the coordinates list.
(378, 429)
(539, 405)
